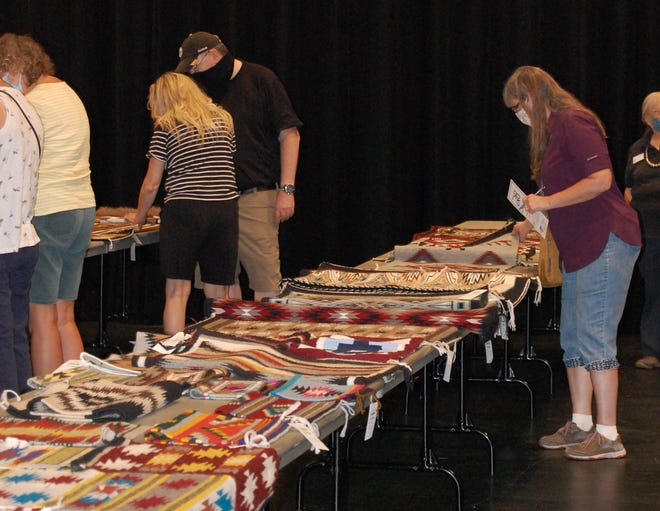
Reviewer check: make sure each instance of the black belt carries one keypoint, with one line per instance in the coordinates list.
(258, 189)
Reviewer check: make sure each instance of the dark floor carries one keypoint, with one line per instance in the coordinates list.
(525, 477)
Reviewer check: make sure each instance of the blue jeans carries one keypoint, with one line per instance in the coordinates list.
(15, 274)
(649, 269)
(592, 303)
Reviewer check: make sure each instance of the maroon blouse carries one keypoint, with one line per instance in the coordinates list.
(576, 149)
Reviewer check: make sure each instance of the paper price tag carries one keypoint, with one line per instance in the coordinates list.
(488, 345)
(448, 363)
(538, 219)
(371, 420)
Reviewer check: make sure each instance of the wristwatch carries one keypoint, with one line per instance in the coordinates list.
(289, 189)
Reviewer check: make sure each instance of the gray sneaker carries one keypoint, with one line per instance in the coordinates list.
(597, 447)
(568, 434)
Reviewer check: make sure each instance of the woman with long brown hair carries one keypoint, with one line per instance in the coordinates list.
(598, 237)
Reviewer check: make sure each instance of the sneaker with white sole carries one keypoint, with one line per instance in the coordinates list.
(597, 447)
(568, 434)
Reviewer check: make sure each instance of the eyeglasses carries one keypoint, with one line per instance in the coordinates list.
(196, 63)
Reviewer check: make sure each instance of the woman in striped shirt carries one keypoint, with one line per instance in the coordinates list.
(193, 145)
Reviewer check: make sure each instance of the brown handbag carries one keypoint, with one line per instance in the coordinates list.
(549, 266)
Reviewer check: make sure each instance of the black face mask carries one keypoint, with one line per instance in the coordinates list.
(216, 79)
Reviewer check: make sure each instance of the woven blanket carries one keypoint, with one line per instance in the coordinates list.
(30, 487)
(191, 427)
(136, 477)
(50, 432)
(305, 388)
(226, 389)
(16, 453)
(456, 302)
(465, 246)
(263, 358)
(253, 470)
(455, 237)
(376, 282)
(289, 328)
(97, 401)
(472, 320)
(110, 225)
(272, 407)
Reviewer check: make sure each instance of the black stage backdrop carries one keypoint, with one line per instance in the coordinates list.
(401, 100)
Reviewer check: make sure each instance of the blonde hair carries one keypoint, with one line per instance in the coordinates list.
(21, 52)
(546, 95)
(650, 102)
(175, 99)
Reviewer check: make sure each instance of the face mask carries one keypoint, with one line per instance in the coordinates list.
(17, 86)
(655, 124)
(522, 116)
(216, 79)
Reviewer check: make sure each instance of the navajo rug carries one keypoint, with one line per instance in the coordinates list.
(454, 245)
(50, 432)
(272, 407)
(272, 328)
(261, 358)
(226, 389)
(456, 237)
(456, 302)
(191, 427)
(30, 487)
(378, 282)
(473, 320)
(253, 470)
(305, 388)
(101, 400)
(137, 477)
(114, 228)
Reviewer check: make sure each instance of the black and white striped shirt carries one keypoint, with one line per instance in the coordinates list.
(196, 170)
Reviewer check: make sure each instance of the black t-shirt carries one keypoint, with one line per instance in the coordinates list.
(261, 109)
(644, 180)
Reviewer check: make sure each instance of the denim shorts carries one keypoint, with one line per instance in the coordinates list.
(64, 239)
(592, 303)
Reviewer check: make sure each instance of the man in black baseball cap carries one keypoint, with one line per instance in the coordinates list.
(266, 157)
(194, 47)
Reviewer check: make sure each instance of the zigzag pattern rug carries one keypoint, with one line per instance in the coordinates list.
(30, 487)
(472, 320)
(381, 282)
(288, 328)
(137, 477)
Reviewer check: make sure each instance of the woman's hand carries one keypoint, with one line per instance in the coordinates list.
(521, 229)
(134, 218)
(534, 203)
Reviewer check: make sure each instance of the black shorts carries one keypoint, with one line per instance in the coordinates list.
(199, 232)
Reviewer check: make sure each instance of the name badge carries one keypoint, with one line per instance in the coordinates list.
(637, 158)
